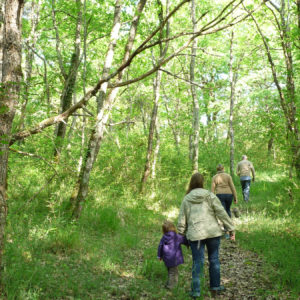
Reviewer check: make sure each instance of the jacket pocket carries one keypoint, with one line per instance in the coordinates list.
(197, 225)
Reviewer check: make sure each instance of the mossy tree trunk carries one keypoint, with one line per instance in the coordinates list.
(70, 77)
(11, 80)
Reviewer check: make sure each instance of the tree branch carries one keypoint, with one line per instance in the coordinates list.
(35, 156)
(176, 76)
(55, 119)
(58, 118)
(274, 5)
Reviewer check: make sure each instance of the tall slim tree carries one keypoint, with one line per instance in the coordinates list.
(70, 76)
(287, 95)
(196, 115)
(150, 157)
(81, 188)
(30, 45)
(11, 80)
(233, 79)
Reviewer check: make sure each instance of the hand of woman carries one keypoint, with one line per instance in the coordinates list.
(232, 236)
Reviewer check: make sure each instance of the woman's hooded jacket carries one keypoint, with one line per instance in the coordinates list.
(199, 214)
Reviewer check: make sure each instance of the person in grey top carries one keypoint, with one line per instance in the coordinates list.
(244, 170)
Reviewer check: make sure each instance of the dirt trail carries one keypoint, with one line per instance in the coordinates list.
(243, 276)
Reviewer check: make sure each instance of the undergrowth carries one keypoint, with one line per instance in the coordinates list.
(110, 252)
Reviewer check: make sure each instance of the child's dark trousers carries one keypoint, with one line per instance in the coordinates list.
(172, 277)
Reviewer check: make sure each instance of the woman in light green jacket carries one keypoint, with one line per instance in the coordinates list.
(198, 220)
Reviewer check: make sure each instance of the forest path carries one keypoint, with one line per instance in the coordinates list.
(241, 272)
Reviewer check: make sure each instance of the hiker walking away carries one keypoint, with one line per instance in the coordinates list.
(169, 250)
(222, 185)
(197, 219)
(244, 170)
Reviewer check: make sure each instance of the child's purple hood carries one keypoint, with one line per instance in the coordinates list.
(169, 248)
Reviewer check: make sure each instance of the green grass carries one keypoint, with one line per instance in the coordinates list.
(270, 225)
(110, 253)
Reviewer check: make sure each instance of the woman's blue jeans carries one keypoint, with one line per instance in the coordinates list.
(212, 246)
(226, 200)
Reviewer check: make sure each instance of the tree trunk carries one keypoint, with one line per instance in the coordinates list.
(1, 35)
(173, 126)
(288, 100)
(11, 79)
(104, 105)
(270, 146)
(81, 189)
(35, 10)
(83, 133)
(156, 151)
(152, 129)
(232, 97)
(156, 91)
(196, 119)
(70, 80)
(191, 148)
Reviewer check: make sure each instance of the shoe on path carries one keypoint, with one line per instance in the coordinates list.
(194, 295)
(218, 290)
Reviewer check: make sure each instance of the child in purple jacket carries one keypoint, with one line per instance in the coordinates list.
(169, 250)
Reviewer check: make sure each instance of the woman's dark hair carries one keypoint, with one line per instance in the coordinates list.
(196, 181)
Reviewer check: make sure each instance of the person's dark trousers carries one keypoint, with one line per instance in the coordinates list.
(226, 200)
(246, 189)
(212, 246)
(172, 277)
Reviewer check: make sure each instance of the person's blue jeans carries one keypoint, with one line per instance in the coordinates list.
(212, 246)
(246, 189)
(226, 200)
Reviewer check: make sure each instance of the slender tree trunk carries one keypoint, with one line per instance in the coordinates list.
(232, 97)
(196, 119)
(153, 122)
(152, 129)
(213, 128)
(81, 189)
(173, 127)
(35, 11)
(156, 152)
(70, 80)
(11, 79)
(1, 35)
(191, 148)
(270, 146)
(45, 79)
(298, 14)
(288, 101)
(104, 105)
(83, 134)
